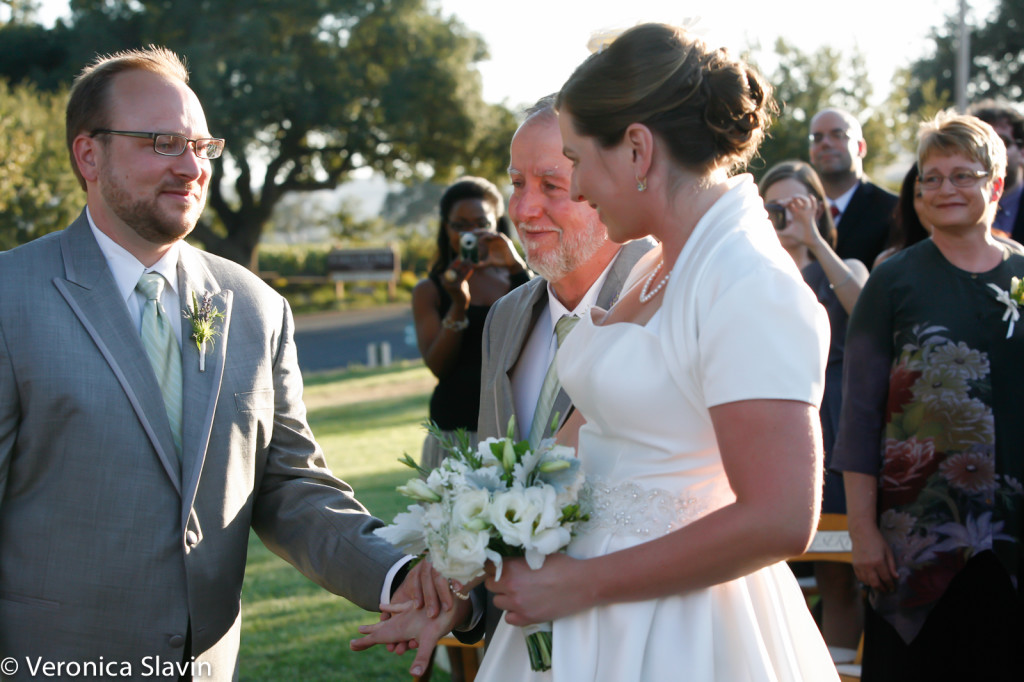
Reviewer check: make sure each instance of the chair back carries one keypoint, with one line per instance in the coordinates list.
(831, 541)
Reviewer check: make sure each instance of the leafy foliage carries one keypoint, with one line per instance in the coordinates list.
(997, 59)
(305, 92)
(808, 82)
(38, 191)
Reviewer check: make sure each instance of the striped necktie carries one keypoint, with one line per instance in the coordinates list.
(549, 389)
(162, 350)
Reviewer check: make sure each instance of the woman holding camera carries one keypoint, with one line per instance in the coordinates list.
(795, 200)
(475, 265)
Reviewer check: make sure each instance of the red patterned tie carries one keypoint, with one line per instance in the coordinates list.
(835, 212)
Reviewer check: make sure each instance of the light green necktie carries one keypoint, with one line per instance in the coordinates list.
(162, 350)
(549, 389)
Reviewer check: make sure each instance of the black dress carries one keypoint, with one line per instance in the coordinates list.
(455, 402)
(834, 495)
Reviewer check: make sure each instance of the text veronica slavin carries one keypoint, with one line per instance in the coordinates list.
(149, 666)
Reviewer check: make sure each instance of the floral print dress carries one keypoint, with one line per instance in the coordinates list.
(933, 406)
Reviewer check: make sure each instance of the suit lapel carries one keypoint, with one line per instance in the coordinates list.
(93, 296)
(200, 389)
(522, 323)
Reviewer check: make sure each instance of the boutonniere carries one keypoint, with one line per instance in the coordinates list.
(202, 316)
(1013, 300)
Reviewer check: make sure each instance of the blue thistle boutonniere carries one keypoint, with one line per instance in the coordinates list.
(202, 316)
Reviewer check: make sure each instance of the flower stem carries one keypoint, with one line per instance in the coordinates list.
(538, 644)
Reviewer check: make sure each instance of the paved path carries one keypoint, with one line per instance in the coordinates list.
(338, 339)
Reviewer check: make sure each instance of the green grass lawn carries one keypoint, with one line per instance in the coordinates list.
(292, 629)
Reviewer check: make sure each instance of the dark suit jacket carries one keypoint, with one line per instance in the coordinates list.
(106, 550)
(1018, 224)
(509, 324)
(863, 230)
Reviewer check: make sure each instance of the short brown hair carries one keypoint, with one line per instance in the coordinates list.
(711, 111)
(87, 104)
(953, 133)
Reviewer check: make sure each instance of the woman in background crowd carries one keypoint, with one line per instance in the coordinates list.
(795, 200)
(931, 437)
(449, 306)
(907, 228)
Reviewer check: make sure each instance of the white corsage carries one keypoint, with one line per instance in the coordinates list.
(1012, 299)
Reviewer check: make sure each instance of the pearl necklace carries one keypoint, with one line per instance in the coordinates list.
(646, 295)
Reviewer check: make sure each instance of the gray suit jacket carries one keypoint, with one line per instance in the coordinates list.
(105, 549)
(509, 324)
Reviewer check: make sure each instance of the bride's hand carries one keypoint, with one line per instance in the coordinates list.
(527, 596)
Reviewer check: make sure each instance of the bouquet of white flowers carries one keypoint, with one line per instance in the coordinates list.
(500, 500)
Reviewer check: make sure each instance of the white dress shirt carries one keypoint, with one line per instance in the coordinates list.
(842, 201)
(539, 350)
(127, 270)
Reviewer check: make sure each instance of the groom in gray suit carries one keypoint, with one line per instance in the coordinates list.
(130, 477)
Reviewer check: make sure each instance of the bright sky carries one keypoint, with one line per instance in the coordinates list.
(535, 44)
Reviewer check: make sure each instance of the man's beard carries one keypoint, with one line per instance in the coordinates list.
(574, 250)
(144, 215)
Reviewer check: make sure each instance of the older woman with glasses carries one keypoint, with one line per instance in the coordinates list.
(931, 440)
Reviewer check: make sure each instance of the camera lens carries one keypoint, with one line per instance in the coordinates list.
(777, 214)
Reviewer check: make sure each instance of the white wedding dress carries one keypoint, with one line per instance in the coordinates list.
(737, 322)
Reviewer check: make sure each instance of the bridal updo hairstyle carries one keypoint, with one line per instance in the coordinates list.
(710, 110)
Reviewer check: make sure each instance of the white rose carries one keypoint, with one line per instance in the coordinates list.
(512, 514)
(469, 510)
(464, 557)
(545, 500)
(544, 543)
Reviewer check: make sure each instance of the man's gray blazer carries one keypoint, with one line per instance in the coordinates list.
(105, 548)
(509, 324)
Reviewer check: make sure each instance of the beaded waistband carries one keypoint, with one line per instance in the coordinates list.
(629, 509)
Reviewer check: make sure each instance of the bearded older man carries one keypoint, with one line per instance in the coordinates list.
(579, 266)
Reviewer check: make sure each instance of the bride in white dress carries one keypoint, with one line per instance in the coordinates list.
(699, 391)
(697, 397)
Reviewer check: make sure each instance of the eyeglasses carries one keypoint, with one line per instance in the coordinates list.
(469, 225)
(958, 178)
(777, 214)
(837, 136)
(169, 144)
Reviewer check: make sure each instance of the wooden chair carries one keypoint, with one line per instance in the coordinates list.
(831, 542)
(464, 658)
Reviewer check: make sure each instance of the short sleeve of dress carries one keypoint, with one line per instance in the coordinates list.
(867, 364)
(763, 336)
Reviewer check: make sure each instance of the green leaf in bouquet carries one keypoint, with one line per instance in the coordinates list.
(410, 462)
